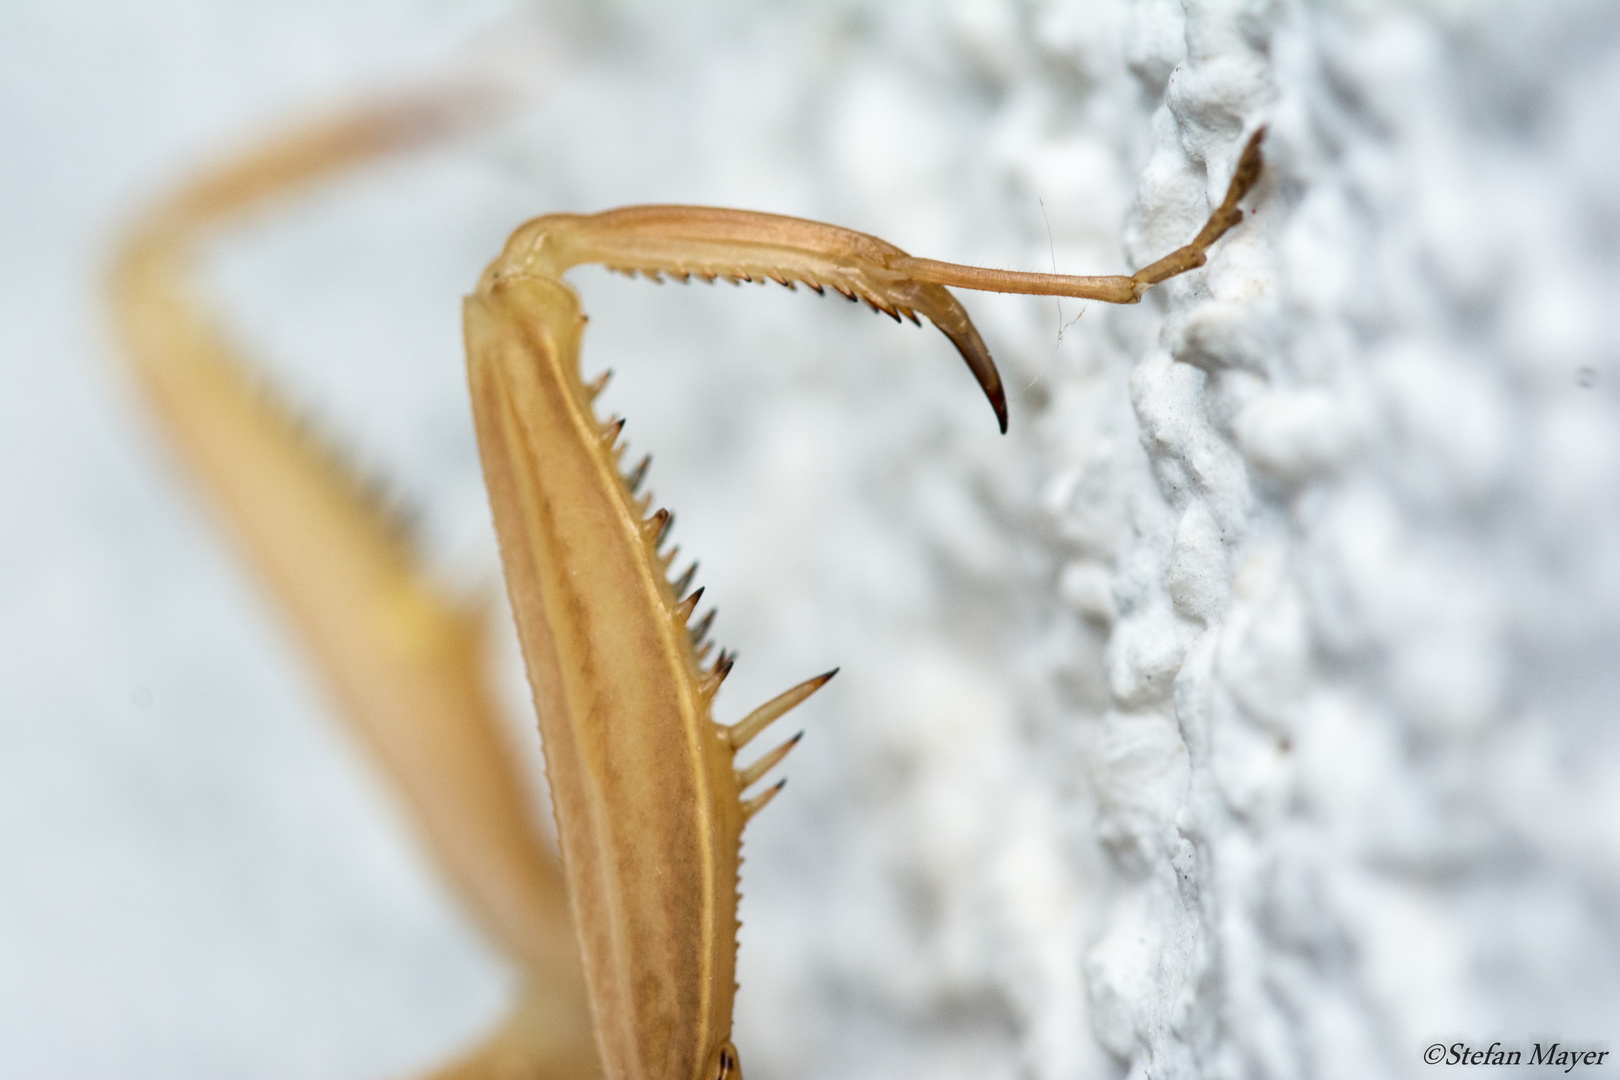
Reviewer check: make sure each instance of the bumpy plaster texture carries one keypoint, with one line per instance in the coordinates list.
(1246, 712)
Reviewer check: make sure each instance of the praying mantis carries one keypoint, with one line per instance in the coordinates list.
(627, 942)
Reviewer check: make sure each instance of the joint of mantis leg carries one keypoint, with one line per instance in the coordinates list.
(629, 945)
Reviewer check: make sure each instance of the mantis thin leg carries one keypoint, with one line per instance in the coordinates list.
(1111, 288)
(405, 662)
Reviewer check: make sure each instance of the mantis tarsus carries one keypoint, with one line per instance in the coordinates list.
(633, 936)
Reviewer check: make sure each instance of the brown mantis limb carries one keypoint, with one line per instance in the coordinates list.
(1110, 288)
(650, 805)
(405, 662)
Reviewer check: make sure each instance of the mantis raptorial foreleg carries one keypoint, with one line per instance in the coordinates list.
(649, 798)
(649, 807)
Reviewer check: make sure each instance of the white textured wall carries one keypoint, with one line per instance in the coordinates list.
(1247, 711)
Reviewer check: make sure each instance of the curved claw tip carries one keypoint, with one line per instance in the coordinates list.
(967, 341)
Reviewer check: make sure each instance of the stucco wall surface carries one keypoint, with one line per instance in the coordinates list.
(1247, 711)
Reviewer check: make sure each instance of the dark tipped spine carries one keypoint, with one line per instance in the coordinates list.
(656, 527)
(750, 807)
(740, 733)
(709, 682)
(747, 778)
(637, 475)
(683, 610)
(701, 630)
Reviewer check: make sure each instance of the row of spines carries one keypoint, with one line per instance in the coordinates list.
(788, 279)
(655, 527)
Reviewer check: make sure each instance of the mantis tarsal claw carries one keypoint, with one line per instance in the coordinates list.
(648, 796)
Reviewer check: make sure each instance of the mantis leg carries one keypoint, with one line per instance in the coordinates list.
(650, 807)
(1111, 288)
(405, 661)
